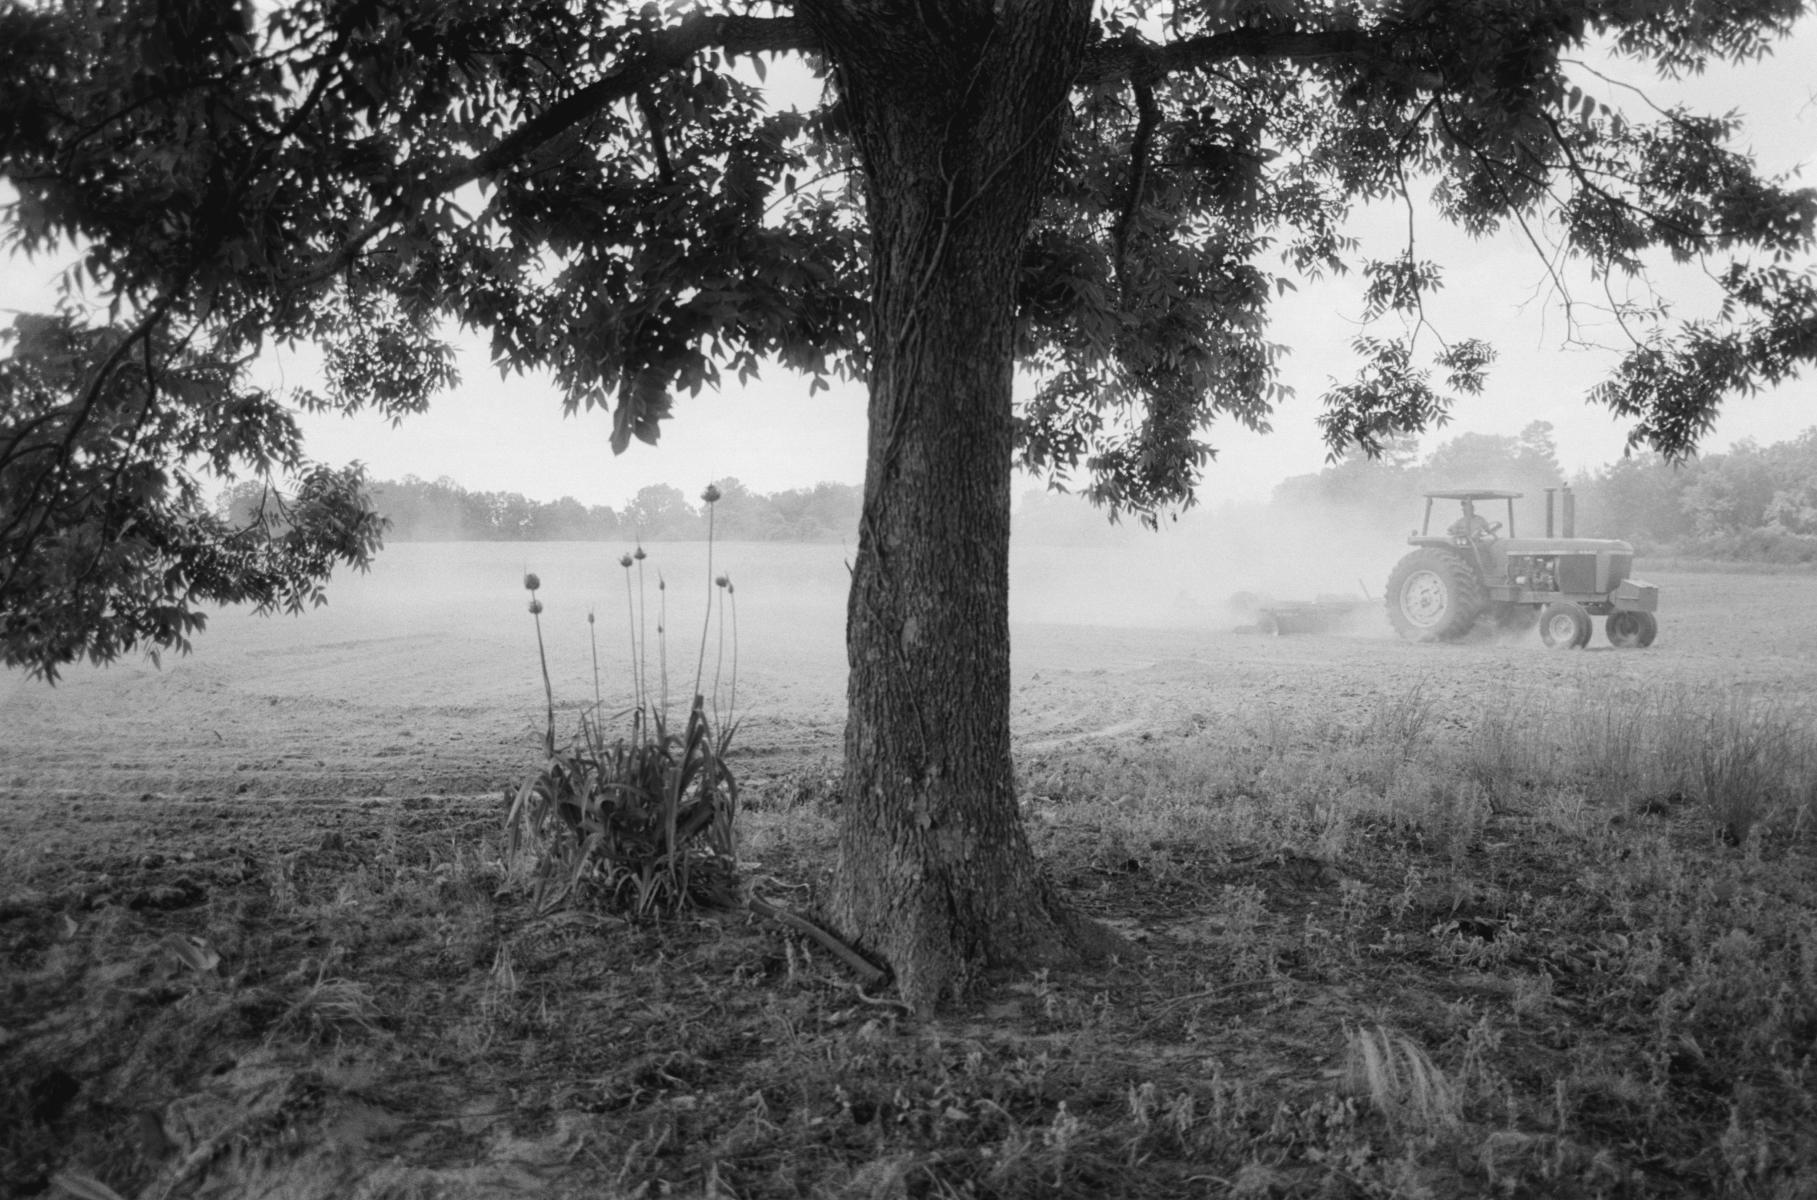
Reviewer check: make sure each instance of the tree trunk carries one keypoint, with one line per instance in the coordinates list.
(956, 109)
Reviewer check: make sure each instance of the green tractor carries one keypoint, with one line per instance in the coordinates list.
(1476, 569)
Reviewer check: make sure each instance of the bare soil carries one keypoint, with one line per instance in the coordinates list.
(253, 938)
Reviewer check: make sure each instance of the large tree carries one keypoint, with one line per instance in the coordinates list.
(1105, 197)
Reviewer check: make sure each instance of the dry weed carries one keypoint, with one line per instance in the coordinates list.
(1397, 1077)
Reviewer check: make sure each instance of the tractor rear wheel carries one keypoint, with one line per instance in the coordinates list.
(1630, 630)
(1564, 625)
(1434, 596)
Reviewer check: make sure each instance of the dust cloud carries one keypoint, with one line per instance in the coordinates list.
(1069, 569)
(1209, 569)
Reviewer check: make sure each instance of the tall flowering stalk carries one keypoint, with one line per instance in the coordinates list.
(531, 583)
(643, 639)
(599, 705)
(711, 498)
(662, 641)
(637, 683)
(724, 582)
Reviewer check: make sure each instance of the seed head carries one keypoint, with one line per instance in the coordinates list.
(589, 616)
(661, 584)
(711, 495)
(531, 582)
(721, 580)
(625, 561)
(639, 554)
(536, 608)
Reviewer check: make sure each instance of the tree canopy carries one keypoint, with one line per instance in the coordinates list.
(1107, 195)
(605, 189)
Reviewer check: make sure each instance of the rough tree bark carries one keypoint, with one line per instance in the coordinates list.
(956, 110)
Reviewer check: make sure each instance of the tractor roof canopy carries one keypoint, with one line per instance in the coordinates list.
(1473, 495)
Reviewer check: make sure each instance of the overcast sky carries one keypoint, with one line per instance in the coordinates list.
(509, 435)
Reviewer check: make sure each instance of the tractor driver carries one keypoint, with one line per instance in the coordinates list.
(1471, 525)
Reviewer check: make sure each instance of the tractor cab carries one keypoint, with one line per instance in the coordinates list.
(1475, 525)
(1476, 535)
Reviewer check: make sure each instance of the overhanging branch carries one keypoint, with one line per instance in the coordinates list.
(1149, 118)
(662, 51)
(659, 146)
(1135, 58)
(83, 409)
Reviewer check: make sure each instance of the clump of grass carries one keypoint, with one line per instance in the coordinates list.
(1498, 759)
(1401, 723)
(646, 819)
(649, 820)
(1746, 765)
(1616, 752)
(331, 1007)
(1749, 767)
(1393, 737)
(501, 983)
(1400, 1080)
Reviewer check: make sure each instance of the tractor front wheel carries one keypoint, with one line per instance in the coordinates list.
(1631, 630)
(1564, 626)
(1433, 596)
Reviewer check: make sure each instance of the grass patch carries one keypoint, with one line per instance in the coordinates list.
(1548, 951)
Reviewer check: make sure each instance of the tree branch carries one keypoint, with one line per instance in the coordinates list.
(661, 52)
(1149, 117)
(128, 446)
(83, 410)
(1581, 172)
(659, 146)
(1132, 58)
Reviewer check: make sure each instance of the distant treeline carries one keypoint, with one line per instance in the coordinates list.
(443, 511)
(1752, 504)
